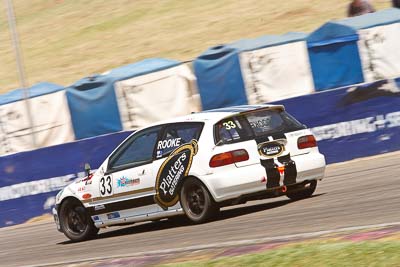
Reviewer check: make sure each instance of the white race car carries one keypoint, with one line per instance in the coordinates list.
(194, 165)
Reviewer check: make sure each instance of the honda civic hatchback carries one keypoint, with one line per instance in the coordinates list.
(194, 165)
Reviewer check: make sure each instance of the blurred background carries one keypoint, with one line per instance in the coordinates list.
(63, 41)
(93, 71)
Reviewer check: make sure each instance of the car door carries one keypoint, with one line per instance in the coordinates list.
(174, 136)
(131, 176)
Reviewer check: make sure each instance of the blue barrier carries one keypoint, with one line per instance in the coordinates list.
(349, 122)
(352, 122)
(30, 180)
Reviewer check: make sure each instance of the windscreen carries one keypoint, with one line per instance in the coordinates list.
(255, 124)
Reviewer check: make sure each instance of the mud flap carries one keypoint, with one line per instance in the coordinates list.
(290, 173)
(280, 169)
(273, 176)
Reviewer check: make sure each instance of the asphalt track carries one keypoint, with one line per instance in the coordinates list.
(355, 193)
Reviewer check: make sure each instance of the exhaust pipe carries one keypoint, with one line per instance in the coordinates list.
(283, 189)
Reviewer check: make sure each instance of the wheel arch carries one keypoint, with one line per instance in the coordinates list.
(69, 197)
(201, 181)
(58, 206)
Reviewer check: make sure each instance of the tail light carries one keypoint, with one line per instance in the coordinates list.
(306, 141)
(229, 158)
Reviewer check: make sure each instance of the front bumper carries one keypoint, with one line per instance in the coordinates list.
(56, 219)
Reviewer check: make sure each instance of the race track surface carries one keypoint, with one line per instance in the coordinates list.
(354, 193)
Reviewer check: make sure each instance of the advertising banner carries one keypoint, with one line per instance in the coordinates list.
(352, 122)
(30, 180)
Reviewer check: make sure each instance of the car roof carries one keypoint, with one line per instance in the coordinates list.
(215, 115)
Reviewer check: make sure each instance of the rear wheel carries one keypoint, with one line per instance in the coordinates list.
(197, 202)
(75, 221)
(304, 193)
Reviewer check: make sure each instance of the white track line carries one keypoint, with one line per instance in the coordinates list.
(228, 244)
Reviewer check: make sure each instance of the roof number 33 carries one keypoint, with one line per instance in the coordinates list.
(229, 125)
(106, 186)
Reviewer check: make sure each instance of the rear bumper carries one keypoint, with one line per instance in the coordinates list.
(310, 167)
(230, 182)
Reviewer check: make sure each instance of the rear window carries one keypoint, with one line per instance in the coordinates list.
(255, 124)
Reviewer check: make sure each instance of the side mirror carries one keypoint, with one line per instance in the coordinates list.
(87, 169)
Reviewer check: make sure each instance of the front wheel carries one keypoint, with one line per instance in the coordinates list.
(304, 193)
(76, 222)
(197, 202)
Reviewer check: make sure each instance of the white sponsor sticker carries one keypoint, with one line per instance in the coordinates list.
(169, 143)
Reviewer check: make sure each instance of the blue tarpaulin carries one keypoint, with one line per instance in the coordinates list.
(92, 100)
(219, 78)
(38, 89)
(267, 41)
(333, 50)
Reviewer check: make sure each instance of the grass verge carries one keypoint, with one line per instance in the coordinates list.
(368, 253)
(65, 40)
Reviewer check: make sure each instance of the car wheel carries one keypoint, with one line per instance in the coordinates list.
(197, 202)
(304, 193)
(75, 221)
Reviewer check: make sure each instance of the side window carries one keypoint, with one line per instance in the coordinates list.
(136, 151)
(230, 131)
(176, 135)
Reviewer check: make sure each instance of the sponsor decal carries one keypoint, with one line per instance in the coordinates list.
(99, 207)
(86, 196)
(159, 153)
(264, 123)
(171, 172)
(271, 149)
(280, 169)
(169, 143)
(102, 171)
(81, 189)
(113, 215)
(106, 187)
(229, 125)
(96, 218)
(125, 182)
(122, 205)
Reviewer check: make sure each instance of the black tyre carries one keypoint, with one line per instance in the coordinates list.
(197, 202)
(305, 193)
(75, 221)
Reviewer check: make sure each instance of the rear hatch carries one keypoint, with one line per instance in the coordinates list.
(263, 133)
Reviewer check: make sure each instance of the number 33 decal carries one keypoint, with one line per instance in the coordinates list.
(105, 186)
(229, 125)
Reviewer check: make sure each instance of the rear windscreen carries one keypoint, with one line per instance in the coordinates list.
(255, 124)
